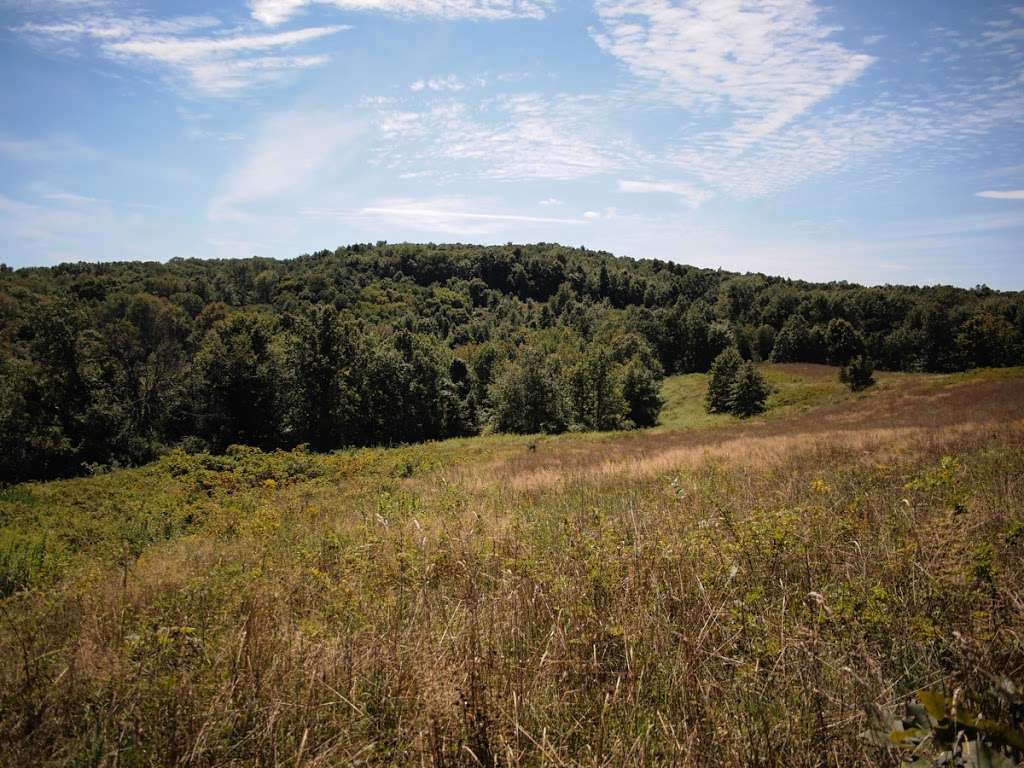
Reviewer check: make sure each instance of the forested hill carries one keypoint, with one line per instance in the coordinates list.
(110, 364)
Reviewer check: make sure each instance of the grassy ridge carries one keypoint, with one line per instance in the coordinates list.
(706, 593)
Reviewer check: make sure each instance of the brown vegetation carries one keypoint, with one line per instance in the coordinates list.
(754, 594)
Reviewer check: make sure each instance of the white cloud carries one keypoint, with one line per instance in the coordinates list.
(549, 201)
(447, 215)
(690, 194)
(929, 127)
(527, 136)
(291, 150)
(1012, 194)
(220, 64)
(766, 61)
(449, 83)
(274, 12)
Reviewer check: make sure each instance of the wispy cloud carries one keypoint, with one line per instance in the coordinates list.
(1012, 194)
(447, 215)
(690, 194)
(449, 83)
(290, 151)
(218, 62)
(274, 12)
(526, 136)
(765, 62)
(929, 125)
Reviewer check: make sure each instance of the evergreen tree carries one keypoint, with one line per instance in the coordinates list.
(749, 392)
(723, 375)
(858, 374)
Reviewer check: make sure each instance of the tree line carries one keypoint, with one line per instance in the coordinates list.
(376, 344)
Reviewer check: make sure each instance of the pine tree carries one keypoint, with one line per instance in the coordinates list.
(858, 373)
(749, 392)
(723, 375)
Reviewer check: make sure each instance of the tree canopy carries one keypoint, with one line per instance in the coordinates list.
(112, 363)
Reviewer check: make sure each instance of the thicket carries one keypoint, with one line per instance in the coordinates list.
(110, 364)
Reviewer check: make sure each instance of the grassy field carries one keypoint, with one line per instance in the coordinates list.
(771, 592)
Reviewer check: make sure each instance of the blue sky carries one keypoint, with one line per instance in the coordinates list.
(872, 141)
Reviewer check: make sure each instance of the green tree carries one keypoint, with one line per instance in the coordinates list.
(597, 397)
(843, 342)
(529, 396)
(987, 340)
(858, 374)
(792, 344)
(720, 386)
(641, 391)
(749, 392)
(323, 399)
(764, 341)
(239, 375)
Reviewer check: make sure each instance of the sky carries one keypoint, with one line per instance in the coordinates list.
(863, 140)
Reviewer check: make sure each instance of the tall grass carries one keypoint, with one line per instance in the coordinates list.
(744, 595)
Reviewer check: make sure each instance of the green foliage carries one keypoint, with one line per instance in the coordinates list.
(105, 365)
(843, 341)
(323, 401)
(749, 392)
(239, 371)
(596, 391)
(858, 373)
(724, 371)
(792, 342)
(530, 396)
(641, 391)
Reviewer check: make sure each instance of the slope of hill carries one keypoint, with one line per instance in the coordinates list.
(709, 592)
(112, 364)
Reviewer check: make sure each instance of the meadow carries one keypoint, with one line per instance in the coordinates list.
(793, 589)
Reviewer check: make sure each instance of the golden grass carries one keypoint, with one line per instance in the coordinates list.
(731, 594)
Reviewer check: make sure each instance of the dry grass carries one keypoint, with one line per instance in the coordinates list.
(744, 594)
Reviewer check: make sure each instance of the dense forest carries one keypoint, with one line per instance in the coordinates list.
(110, 364)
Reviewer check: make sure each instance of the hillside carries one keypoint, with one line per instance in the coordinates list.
(712, 591)
(112, 364)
